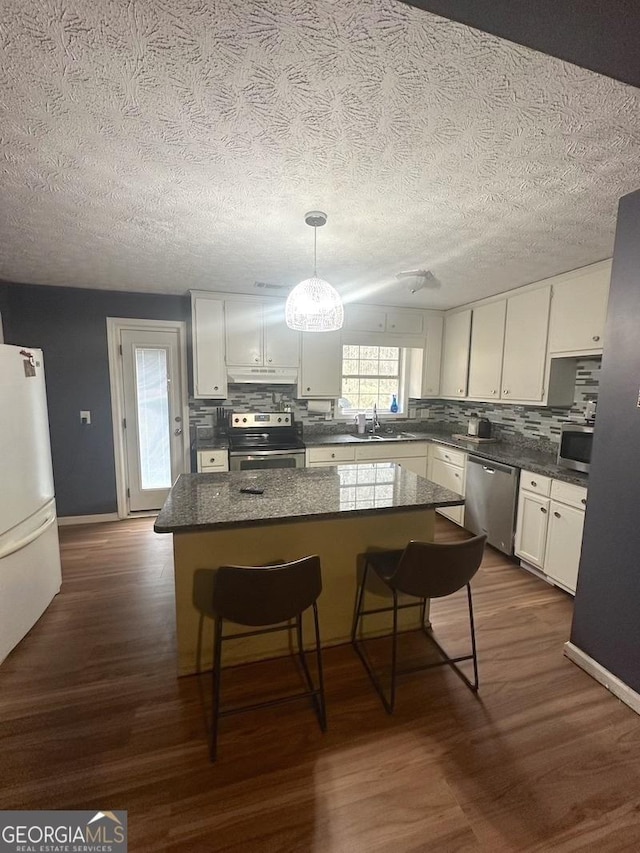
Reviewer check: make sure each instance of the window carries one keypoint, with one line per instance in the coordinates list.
(371, 374)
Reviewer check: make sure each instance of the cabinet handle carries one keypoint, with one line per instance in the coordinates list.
(215, 387)
(542, 509)
(595, 338)
(213, 459)
(460, 390)
(533, 483)
(457, 475)
(557, 514)
(256, 360)
(270, 360)
(494, 391)
(506, 391)
(308, 389)
(583, 501)
(333, 455)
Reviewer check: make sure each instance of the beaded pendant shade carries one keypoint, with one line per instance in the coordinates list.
(314, 305)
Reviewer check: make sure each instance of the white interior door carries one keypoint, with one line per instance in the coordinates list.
(153, 414)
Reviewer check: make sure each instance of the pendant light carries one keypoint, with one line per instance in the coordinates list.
(314, 305)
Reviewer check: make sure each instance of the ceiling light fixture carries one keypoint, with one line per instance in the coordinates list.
(314, 305)
(421, 279)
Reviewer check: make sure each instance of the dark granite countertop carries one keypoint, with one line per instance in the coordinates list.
(199, 502)
(501, 451)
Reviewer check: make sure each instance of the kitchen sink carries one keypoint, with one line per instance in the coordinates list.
(375, 437)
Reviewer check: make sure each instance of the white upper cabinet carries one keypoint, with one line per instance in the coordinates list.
(243, 329)
(579, 310)
(487, 344)
(375, 318)
(320, 365)
(525, 346)
(432, 357)
(209, 368)
(281, 344)
(257, 335)
(455, 354)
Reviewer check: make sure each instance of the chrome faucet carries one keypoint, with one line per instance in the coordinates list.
(374, 420)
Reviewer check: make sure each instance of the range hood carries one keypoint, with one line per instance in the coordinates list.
(262, 375)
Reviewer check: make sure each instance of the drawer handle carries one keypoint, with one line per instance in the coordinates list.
(460, 390)
(457, 475)
(506, 390)
(542, 509)
(533, 483)
(595, 338)
(212, 459)
(308, 389)
(557, 515)
(583, 501)
(333, 455)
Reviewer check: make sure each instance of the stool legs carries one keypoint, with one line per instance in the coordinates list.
(217, 679)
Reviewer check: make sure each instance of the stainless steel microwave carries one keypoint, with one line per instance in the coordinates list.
(574, 452)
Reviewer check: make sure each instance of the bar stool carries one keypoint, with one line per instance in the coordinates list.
(423, 570)
(266, 596)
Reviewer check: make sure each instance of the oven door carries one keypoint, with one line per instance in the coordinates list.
(265, 459)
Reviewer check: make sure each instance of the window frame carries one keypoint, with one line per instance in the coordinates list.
(402, 384)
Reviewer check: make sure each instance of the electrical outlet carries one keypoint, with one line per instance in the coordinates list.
(85, 417)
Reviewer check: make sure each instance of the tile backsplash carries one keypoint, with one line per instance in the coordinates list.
(530, 421)
(533, 422)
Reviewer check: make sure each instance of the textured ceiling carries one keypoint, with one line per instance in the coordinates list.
(163, 145)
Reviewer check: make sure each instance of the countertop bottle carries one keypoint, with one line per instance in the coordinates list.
(394, 404)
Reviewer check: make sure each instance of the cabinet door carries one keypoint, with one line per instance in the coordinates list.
(417, 464)
(432, 357)
(451, 477)
(320, 365)
(525, 345)
(579, 311)
(363, 318)
(487, 343)
(455, 354)
(209, 369)
(281, 344)
(409, 323)
(243, 327)
(564, 542)
(531, 529)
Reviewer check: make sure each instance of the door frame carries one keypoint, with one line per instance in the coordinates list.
(116, 382)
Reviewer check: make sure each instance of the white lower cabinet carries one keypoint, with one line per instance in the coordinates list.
(212, 460)
(410, 455)
(549, 527)
(447, 468)
(323, 457)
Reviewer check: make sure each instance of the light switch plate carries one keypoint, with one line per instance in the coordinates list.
(85, 417)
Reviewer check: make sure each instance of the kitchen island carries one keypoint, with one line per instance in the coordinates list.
(338, 513)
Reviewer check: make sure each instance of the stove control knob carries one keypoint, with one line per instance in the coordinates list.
(244, 420)
(279, 420)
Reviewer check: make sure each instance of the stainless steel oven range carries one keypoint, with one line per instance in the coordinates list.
(264, 440)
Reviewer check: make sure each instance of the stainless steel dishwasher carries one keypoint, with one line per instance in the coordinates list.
(490, 501)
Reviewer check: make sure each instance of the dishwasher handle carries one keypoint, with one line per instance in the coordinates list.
(491, 467)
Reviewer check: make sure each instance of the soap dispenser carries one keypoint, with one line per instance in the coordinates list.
(394, 404)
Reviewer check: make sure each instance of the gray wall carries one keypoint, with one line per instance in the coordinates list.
(69, 325)
(606, 623)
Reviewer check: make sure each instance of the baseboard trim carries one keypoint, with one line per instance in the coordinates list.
(603, 676)
(87, 519)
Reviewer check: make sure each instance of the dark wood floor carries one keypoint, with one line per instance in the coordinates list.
(93, 717)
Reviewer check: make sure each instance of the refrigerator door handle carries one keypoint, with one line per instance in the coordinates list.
(12, 547)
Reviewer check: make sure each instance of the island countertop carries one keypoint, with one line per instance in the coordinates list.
(214, 501)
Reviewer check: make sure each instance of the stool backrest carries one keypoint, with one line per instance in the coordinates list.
(266, 595)
(434, 569)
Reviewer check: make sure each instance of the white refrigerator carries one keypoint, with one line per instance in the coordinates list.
(30, 574)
